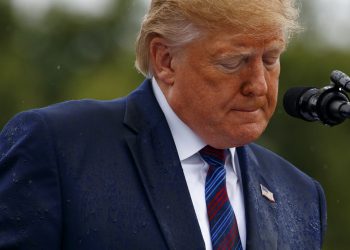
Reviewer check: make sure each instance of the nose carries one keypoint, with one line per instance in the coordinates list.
(256, 80)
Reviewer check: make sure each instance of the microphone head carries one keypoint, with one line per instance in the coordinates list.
(292, 101)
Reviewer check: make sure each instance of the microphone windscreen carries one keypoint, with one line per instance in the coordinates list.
(291, 100)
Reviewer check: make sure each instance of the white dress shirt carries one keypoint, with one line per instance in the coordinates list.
(195, 170)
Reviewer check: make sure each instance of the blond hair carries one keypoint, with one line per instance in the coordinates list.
(182, 21)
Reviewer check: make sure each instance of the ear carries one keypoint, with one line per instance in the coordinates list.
(161, 59)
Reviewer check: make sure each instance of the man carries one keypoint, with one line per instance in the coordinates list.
(171, 166)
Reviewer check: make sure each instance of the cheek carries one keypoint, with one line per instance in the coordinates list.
(272, 98)
(187, 100)
(200, 92)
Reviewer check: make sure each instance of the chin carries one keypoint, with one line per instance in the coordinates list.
(246, 134)
(233, 136)
(231, 141)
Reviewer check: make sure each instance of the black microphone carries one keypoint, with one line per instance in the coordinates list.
(340, 79)
(329, 105)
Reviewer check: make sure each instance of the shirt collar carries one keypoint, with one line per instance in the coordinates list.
(186, 141)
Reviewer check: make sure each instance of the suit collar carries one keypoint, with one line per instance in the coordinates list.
(187, 142)
(157, 162)
(262, 231)
(142, 110)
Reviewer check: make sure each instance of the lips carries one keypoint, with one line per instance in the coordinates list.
(249, 106)
(251, 114)
(248, 110)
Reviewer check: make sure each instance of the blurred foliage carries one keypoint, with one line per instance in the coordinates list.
(67, 56)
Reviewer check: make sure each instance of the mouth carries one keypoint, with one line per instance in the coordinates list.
(248, 115)
(247, 110)
(250, 106)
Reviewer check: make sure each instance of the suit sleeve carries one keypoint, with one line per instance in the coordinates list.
(323, 210)
(30, 202)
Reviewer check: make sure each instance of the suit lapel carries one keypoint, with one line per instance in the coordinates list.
(155, 155)
(260, 212)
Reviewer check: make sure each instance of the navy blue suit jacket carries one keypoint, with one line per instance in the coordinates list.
(106, 175)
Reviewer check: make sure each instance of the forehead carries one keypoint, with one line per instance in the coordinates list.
(224, 41)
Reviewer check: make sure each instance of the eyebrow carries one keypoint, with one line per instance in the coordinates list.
(276, 46)
(243, 51)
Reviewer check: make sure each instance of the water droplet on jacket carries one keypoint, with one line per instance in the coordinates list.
(314, 225)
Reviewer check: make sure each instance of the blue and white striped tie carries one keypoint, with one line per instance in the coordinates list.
(222, 220)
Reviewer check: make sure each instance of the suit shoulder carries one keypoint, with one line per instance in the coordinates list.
(263, 152)
(71, 116)
(82, 107)
(275, 164)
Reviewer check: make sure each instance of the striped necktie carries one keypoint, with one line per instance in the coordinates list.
(223, 225)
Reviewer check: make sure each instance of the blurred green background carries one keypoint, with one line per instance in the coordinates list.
(51, 51)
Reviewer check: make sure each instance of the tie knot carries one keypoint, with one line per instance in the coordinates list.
(213, 156)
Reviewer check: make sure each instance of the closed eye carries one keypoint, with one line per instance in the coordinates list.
(271, 58)
(230, 65)
(271, 61)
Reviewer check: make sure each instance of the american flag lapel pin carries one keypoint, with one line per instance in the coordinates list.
(267, 193)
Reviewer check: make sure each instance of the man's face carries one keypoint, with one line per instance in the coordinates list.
(225, 86)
